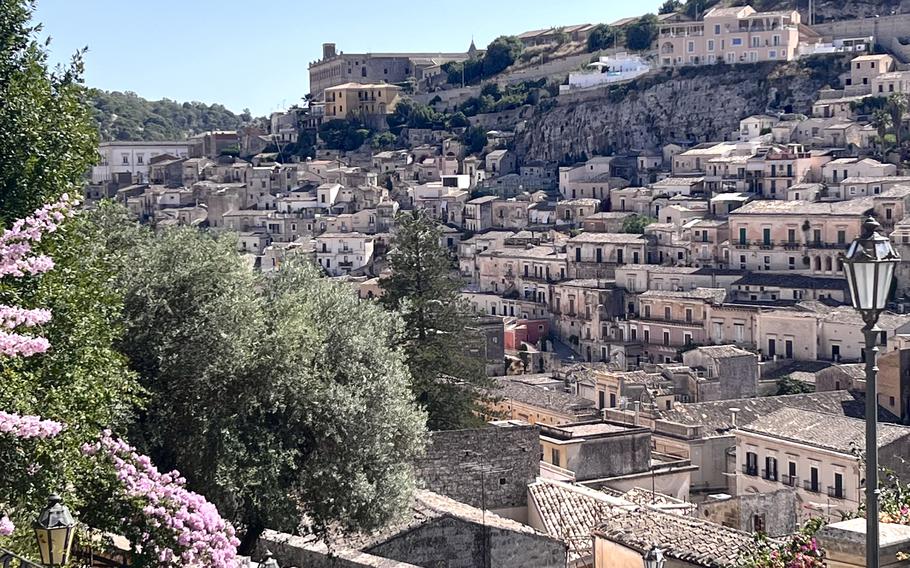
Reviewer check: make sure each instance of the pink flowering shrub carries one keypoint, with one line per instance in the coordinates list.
(18, 259)
(799, 550)
(172, 525)
(28, 426)
(6, 526)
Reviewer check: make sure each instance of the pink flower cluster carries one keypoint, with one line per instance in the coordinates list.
(28, 426)
(17, 258)
(179, 527)
(16, 254)
(6, 526)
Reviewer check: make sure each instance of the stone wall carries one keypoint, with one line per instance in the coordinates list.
(778, 510)
(883, 28)
(693, 104)
(611, 456)
(455, 543)
(290, 550)
(504, 459)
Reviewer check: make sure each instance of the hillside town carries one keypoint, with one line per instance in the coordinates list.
(669, 330)
(676, 368)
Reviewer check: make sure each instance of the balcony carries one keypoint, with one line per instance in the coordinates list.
(769, 475)
(655, 320)
(346, 264)
(790, 480)
(836, 493)
(812, 487)
(752, 471)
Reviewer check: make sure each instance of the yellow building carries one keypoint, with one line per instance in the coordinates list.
(355, 99)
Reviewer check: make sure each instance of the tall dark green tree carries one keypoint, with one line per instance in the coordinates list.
(425, 290)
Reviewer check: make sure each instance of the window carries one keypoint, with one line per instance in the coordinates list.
(647, 311)
(612, 400)
(710, 45)
(667, 313)
(742, 235)
(791, 235)
(772, 54)
(716, 29)
(554, 456)
(600, 399)
(751, 467)
(691, 47)
(758, 523)
(770, 472)
(140, 159)
(766, 237)
(812, 482)
(791, 474)
(737, 41)
(838, 490)
(125, 159)
(756, 41)
(666, 338)
(739, 331)
(646, 334)
(842, 240)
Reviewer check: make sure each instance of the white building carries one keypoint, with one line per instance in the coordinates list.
(341, 253)
(607, 70)
(133, 158)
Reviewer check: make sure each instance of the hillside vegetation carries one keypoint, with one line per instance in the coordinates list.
(825, 10)
(127, 116)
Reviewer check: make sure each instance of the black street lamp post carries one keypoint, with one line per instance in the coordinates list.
(869, 267)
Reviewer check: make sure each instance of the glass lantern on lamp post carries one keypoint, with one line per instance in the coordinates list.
(54, 530)
(869, 268)
(654, 558)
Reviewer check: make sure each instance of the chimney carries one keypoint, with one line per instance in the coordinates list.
(733, 412)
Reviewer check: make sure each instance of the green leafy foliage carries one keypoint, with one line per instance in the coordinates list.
(47, 139)
(47, 143)
(789, 385)
(425, 290)
(670, 6)
(500, 54)
(344, 134)
(636, 224)
(475, 139)
(411, 114)
(642, 33)
(604, 37)
(260, 386)
(127, 116)
(800, 549)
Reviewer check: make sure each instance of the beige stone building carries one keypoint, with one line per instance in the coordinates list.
(815, 453)
(596, 255)
(793, 235)
(733, 35)
(361, 100)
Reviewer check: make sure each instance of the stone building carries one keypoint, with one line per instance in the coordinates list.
(490, 466)
(336, 68)
(438, 531)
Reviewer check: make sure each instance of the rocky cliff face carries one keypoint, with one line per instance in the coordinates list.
(693, 105)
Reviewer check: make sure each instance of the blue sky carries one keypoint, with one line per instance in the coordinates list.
(255, 54)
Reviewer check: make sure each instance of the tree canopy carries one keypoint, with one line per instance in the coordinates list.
(642, 33)
(127, 116)
(258, 386)
(425, 291)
